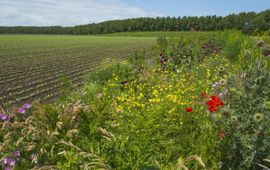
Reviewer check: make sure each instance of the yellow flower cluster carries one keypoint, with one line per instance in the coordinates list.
(169, 90)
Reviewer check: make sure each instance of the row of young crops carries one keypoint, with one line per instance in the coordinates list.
(31, 67)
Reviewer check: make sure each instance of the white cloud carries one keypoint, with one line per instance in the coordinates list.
(65, 12)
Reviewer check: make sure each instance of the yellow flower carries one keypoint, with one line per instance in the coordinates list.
(154, 100)
(172, 110)
(155, 93)
(173, 98)
(140, 96)
(208, 73)
(119, 109)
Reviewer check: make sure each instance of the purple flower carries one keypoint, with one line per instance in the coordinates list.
(215, 85)
(8, 168)
(4, 117)
(9, 161)
(21, 110)
(26, 106)
(16, 153)
(223, 93)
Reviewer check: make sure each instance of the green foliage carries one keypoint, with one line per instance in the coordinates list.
(70, 163)
(162, 42)
(247, 129)
(65, 86)
(232, 41)
(103, 75)
(260, 23)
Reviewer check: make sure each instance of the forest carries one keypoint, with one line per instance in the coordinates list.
(248, 22)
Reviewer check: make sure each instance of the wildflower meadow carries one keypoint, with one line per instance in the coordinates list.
(198, 101)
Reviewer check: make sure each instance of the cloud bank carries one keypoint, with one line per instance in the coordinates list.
(66, 12)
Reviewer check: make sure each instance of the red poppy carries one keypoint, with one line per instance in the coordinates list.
(218, 101)
(188, 109)
(221, 134)
(213, 103)
(212, 108)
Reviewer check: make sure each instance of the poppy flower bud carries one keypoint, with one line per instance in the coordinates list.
(188, 109)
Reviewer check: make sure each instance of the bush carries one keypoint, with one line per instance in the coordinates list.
(246, 125)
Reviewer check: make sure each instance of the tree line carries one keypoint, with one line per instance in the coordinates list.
(248, 22)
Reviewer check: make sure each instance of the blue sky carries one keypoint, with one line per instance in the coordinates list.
(76, 12)
(201, 7)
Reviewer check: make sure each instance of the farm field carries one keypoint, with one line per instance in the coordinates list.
(197, 101)
(31, 65)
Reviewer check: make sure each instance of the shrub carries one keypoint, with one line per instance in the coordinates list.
(247, 132)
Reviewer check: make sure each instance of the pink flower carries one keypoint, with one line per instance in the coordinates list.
(16, 153)
(26, 106)
(4, 117)
(21, 110)
(9, 161)
(8, 168)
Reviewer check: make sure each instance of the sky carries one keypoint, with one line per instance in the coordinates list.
(77, 12)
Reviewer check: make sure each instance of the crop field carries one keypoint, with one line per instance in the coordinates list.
(31, 66)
